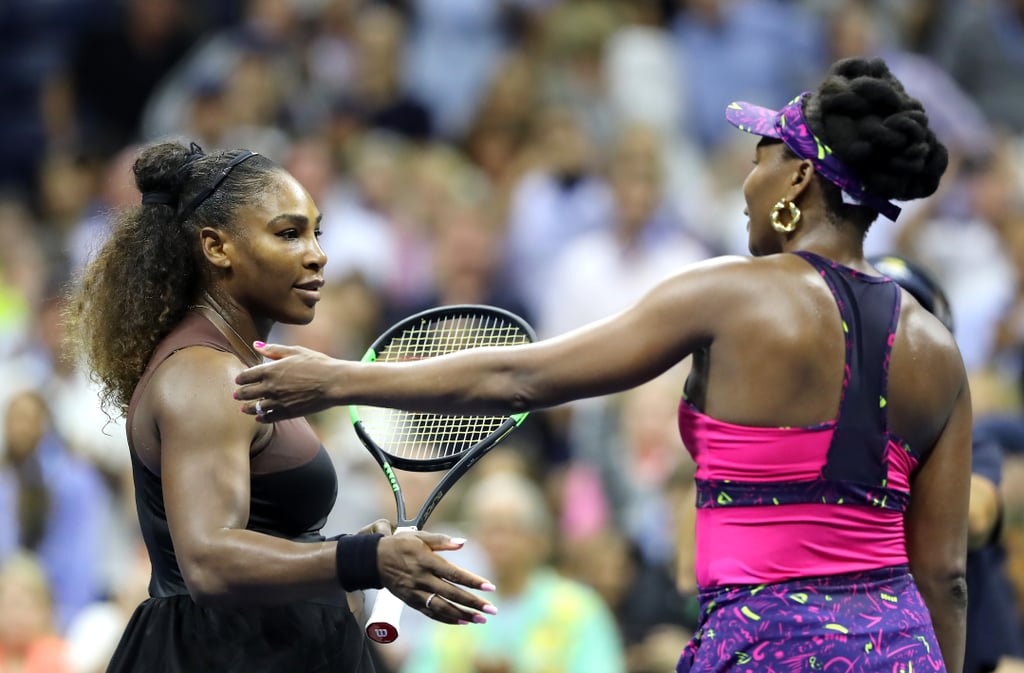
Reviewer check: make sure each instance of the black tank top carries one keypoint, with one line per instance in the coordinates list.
(293, 484)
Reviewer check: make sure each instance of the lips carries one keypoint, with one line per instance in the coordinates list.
(311, 285)
(310, 290)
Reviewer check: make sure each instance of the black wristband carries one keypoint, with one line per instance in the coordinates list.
(355, 562)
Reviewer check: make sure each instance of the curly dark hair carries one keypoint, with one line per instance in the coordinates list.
(879, 132)
(141, 282)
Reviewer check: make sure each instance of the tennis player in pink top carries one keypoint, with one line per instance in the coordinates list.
(828, 412)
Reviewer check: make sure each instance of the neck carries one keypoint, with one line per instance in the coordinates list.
(236, 323)
(842, 243)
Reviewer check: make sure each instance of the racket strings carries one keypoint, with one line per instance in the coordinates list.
(450, 334)
(416, 436)
(424, 436)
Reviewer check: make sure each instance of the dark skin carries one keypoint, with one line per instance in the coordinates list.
(768, 349)
(267, 271)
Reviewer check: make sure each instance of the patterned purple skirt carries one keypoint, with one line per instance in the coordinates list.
(869, 622)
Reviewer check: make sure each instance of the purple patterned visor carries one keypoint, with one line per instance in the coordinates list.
(789, 126)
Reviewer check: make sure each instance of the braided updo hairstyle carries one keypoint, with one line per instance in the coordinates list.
(148, 272)
(862, 112)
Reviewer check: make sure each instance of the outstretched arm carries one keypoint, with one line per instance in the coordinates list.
(619, 352)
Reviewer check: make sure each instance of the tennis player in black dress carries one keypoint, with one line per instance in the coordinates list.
(222, 247)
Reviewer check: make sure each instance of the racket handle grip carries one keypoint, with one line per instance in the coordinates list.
(382, 626)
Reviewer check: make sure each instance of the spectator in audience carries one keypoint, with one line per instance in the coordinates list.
(379, 88)
(984, 51)
(53, 504)
(548, 622)
(655, 619)
(113, 70)
(561, 198)
(28, 632)
(93, 634)
(740, 49)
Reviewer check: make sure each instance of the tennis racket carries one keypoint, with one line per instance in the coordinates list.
(424, 442)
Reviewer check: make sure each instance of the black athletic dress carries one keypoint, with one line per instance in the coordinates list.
(293, 488)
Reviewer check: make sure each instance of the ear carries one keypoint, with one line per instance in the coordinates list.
(216, 247)
(801, 179)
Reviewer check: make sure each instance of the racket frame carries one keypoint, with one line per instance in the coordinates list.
(382, 625)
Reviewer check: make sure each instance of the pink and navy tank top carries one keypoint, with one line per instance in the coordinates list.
(774, 504)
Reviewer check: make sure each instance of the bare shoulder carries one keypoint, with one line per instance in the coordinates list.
(705, 290)
(723, 265)
(727, 292)
(923, 338)
(782, 267)
(717, 275)
(926, 374)
(193, 379)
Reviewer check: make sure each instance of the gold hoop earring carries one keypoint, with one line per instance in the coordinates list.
(794, 216)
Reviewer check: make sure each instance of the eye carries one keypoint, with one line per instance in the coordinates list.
(288, 233)
(318, 232)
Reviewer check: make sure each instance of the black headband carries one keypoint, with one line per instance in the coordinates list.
(169, 199)
(187, 211)
(165, 198)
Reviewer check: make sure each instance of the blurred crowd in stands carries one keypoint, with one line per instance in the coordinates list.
(554, 157)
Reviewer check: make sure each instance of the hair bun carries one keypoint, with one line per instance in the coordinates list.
(877, 130)
(158, 172)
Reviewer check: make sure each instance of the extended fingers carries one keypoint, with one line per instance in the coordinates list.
(459, 604)
(449, 571)
(442, 607)
(249, 379)
(251, 384)
(413, 572)
(252, 375)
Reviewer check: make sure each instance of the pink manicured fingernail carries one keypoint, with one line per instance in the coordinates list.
(487, 586)
(258, 344)
(479, 619)
(234, 395)
(459, 540)
(463, 622)
(490, 609)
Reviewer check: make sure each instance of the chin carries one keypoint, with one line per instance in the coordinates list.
(303, 317)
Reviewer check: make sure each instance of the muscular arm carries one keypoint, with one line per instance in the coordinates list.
(205, 450)
(205, 445)
(936, 531)
(608, 356)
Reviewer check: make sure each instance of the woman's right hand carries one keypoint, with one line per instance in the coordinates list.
(292, 384)
(412, 571)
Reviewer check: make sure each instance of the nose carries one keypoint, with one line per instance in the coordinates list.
(316, 258)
